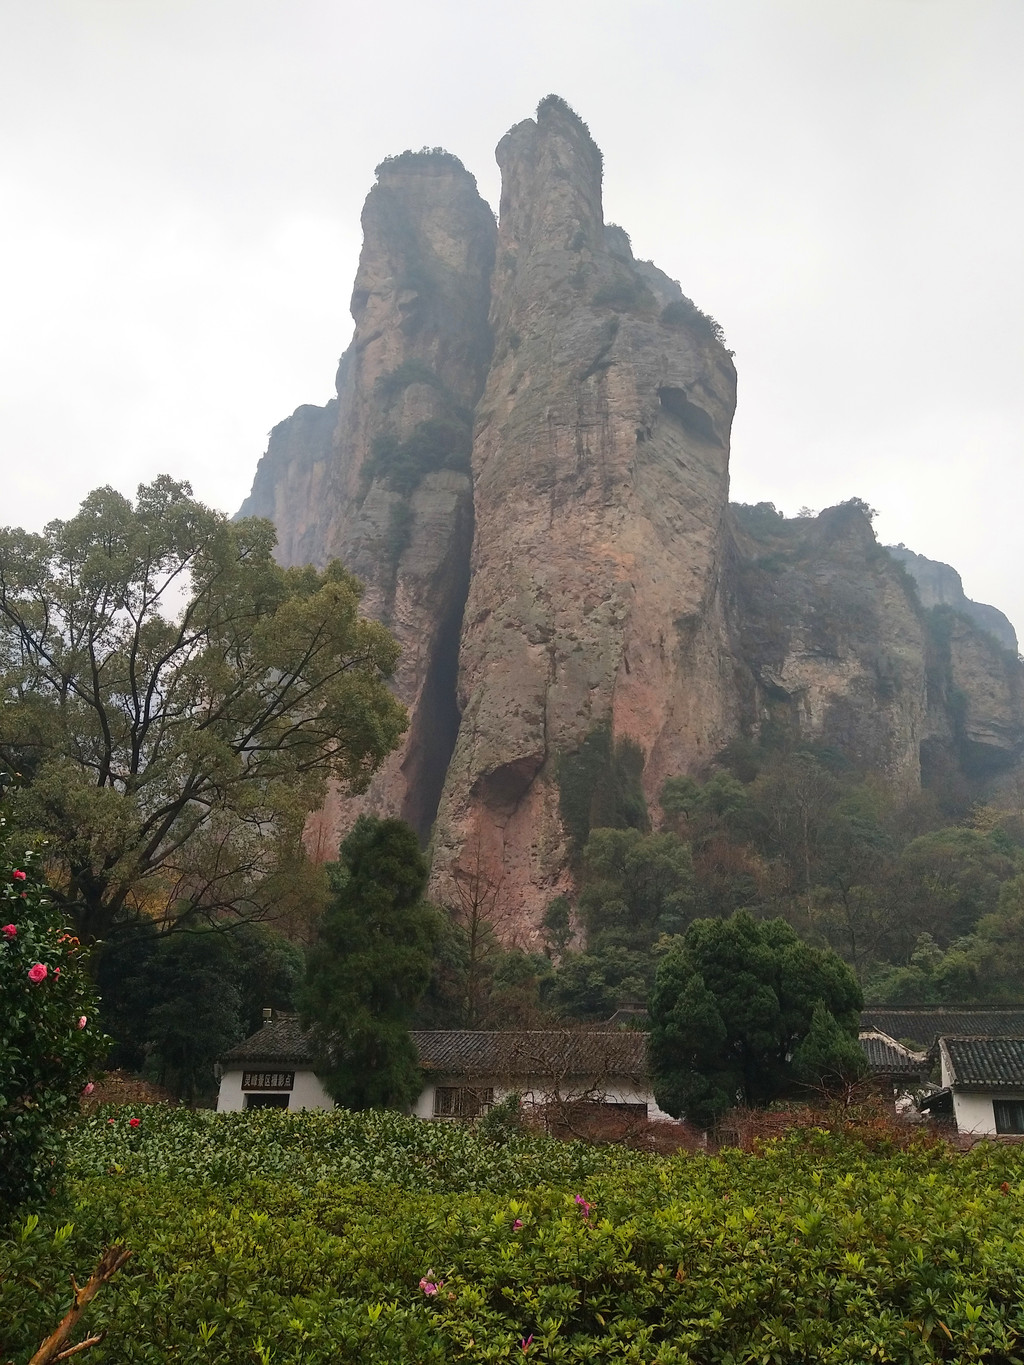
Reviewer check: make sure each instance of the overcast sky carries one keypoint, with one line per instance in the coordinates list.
(837, 181)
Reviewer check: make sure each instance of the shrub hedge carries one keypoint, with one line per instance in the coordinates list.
(270, 1237)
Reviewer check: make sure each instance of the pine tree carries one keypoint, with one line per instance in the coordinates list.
(370, 967)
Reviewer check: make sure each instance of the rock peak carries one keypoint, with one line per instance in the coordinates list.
(553, 111)
(527, 464)
(427, 161)
(551, 171)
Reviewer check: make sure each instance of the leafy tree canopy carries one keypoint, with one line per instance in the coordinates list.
(636, 887)
(176, 701)
(173, 1002)
(370, 966)
(593, 985)
(733, 1000)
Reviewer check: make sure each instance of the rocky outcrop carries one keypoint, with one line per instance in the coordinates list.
(379, 478)
(834, 638)
(941, 586)
(600, 466)
(527, 464)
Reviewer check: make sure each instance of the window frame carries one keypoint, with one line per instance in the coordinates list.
(462, 1101)
(1011, 1120)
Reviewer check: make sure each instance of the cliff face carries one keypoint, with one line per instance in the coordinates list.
(834, 637)
(939, 585)
(600, 467)
(379, 478)
(527, 465)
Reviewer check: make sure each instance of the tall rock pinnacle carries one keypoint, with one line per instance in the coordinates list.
(600, 466)
(379, 478)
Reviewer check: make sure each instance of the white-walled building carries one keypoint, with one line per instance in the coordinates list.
(985, 1079)
(574, 1077)
(578, 1071)
(569, 1073)
(271, 1070)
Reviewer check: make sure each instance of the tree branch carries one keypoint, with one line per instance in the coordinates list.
(52, 1348)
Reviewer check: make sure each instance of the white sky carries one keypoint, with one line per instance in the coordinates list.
(838, 181)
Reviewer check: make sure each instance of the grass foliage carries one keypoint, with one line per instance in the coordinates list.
(312, 1238)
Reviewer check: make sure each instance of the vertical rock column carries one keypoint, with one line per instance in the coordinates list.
(600, 466)
(379, 478)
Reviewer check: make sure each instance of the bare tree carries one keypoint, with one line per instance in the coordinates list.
(475, 906)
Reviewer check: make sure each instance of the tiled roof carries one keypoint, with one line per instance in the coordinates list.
(560, 1052)
(281, 1041)
(985, 1063)
(886, 1057)
(925, 1023)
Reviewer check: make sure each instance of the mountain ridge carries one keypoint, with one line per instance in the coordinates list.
(527, 464)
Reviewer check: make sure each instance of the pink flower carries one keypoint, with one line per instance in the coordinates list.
(525, 1343)
(9, 931)
(38, 972)
(584, 1207)
(83, 1019)
(18, 875)
(134, 1123)
(110, 1120)
(88, 1088)
(517, 1225)
(430, 1287)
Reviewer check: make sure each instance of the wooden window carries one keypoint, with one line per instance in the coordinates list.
(268, 1080)
(1009, 1116)
(461, 1101)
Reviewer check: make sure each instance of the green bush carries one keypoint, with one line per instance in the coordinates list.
(50, 1034)
(601, 786)
(330, 1237)
(426, 157)
(685, 313)
(390, 385)
(624, 294)
(437, 443)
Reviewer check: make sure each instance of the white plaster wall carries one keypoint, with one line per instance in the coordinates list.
(230, 1098)
(974, 1113)
(307, 1093)
(611, 1091)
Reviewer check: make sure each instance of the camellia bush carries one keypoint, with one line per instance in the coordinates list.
(49, 1035)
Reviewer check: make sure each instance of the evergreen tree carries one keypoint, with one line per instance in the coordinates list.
(732, 1002)
(829, 1057)
(370, 966)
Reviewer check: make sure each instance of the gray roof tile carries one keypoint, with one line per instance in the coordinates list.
(886, 1057)
(281, 1041)
(519, 1053)
(925, 1023)
(985, 1063)
(566, 1052)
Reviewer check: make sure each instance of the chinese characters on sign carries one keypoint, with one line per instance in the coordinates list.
(268, 1080)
